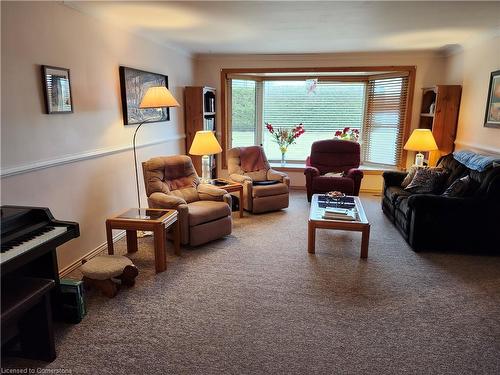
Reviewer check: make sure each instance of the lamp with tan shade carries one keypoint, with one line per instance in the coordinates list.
(205, 144)
(420, 140)
(155, 97)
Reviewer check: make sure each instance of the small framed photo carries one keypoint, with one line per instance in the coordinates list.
(57, 90)
(492, 116)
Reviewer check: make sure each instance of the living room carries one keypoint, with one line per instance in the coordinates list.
(256, 300)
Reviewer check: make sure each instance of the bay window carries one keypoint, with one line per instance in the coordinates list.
(375, 104)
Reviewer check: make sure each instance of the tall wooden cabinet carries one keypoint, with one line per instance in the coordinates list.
(200, 114)
(439, 113)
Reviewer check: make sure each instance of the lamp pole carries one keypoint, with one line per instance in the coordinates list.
(135, 165)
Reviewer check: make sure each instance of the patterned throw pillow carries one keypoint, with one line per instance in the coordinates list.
(460, 187)
(409, 176)
(427, 180)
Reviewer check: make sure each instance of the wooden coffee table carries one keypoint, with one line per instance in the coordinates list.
(316, 221)
(232, 187)
(147, 219)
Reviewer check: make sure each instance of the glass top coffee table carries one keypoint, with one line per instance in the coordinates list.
(316, 220)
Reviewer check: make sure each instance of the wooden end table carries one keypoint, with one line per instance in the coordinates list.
(150, 219)
(316, 221)
(232, 187)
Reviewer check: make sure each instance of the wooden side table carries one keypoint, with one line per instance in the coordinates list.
(232, 187)
(150, 219)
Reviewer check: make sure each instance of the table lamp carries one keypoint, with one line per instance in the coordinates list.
(155, 97)
(420, 140)
(205, 144)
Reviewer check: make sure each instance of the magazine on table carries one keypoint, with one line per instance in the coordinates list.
(340, 214)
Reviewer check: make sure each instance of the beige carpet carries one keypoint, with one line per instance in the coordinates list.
(257, 302)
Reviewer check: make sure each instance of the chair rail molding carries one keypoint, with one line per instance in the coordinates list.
(476, 147)
(73, 158)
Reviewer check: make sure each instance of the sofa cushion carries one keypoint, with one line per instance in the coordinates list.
(200, 212)
(269, 190)
(402, 206)
(393, 192)
(427, 180)
(410, 175)
(454, 168)
(460, 187)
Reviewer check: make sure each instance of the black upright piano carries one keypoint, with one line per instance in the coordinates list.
(30, 279)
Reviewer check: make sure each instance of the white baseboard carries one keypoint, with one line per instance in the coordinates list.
(99, 249)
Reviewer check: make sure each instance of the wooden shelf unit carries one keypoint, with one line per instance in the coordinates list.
(200, 114)
(442, 119)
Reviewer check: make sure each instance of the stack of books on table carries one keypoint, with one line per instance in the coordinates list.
(339, 214)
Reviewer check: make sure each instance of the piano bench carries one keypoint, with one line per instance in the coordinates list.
(101, 271)
(27, 314)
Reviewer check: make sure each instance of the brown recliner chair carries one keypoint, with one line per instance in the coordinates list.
(264, 189)
(204, 210)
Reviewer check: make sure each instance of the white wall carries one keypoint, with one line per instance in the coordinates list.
(471, 68)
(86, 191)
(429, 72)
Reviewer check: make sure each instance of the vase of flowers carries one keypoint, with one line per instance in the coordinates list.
(285, 137)
(347, 134)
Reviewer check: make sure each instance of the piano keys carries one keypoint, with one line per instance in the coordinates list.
(28, 234)
(29, 237)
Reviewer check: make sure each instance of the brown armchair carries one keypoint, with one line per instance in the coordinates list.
(264, 189)
(204, 210)
(332, 156)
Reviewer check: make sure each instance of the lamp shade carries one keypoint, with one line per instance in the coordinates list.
(205, 143)
(158, 97)
(421, 140)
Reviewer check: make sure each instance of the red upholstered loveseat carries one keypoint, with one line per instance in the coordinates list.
(333, 156)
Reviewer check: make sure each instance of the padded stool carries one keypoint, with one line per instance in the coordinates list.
(99, 272)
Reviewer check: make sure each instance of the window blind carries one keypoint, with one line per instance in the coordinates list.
(243, 113)
(331, 107)
(385, 116)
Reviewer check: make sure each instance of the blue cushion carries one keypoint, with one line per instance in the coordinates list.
(474, 161)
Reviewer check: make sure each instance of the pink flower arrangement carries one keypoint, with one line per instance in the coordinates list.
(347, 134)
(285, 137)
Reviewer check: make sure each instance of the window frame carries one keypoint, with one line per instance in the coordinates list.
(227, 74)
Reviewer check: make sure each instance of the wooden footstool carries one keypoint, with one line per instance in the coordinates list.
(99, 272)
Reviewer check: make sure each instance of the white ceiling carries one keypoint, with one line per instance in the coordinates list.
(302, 26)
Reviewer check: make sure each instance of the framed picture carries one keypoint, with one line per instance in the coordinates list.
(133, 85)
(57, 89)
(492, 116)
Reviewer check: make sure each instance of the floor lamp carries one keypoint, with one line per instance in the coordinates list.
(155, 97)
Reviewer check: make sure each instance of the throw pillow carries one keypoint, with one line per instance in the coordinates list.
(331, 174)
(459, 187)
(409, 176)
(427, 180)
